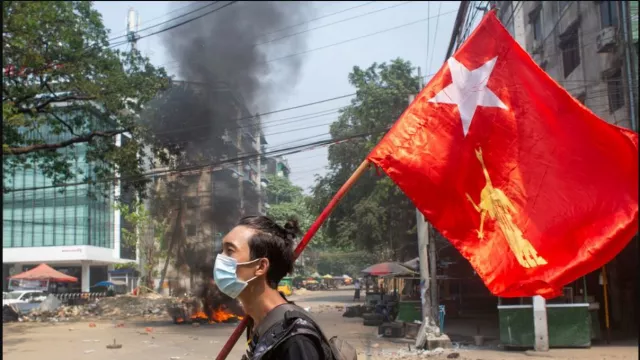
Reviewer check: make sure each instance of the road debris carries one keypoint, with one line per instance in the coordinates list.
(114, 345)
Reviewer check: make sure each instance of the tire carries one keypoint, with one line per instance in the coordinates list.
(372, 317)
(372, 322)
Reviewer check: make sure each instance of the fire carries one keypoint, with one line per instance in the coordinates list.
(221, 315)
(179, 320)
(199, 315)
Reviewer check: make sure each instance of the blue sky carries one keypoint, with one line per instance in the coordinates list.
(324, 72)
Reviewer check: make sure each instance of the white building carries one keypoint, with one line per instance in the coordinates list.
(69, 231)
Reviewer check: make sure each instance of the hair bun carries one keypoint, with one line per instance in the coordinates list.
(291, 229)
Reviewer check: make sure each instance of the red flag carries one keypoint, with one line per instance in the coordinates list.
(528, 184)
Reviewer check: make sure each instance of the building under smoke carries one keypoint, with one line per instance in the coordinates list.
(204, 120)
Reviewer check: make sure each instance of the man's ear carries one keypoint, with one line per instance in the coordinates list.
(263, 267)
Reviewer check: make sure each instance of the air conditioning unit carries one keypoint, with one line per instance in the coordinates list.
(606, 40)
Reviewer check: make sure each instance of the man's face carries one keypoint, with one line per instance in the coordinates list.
(236, 245)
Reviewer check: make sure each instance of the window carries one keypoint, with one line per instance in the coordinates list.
(570, 51)
(191, 230)
(608, 13)
(615, 92)
(536, 23)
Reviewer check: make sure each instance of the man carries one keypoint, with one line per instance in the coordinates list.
(256, 255)
(356, 295)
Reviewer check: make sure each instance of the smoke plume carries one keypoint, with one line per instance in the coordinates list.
(224, 74)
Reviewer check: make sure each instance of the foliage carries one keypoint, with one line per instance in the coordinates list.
(287, 201)
(129, 265)
(375, 214)
(340, 263)
(145, 232)
(67, 95)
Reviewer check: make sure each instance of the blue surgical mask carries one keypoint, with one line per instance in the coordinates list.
(224, 274)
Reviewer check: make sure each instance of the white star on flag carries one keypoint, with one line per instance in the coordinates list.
(468, 90)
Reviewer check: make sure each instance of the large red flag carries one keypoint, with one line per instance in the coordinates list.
(528, 184)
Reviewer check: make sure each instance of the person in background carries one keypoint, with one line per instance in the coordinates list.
(356, 285)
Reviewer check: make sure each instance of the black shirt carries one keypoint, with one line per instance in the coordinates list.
(297, 347)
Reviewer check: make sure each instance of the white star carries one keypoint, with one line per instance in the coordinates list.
(468, 90)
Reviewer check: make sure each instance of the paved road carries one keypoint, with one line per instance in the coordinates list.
(70, 341)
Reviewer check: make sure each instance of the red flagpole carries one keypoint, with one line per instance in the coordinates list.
(226, 349)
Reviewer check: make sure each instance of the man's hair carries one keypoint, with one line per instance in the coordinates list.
(273, 242)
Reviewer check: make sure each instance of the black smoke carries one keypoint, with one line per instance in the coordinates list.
(222, 75)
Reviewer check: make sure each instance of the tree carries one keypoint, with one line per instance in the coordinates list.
(67, 94)
(145, 232)
(375, 215)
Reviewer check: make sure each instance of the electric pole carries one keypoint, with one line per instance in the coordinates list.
(133, 23)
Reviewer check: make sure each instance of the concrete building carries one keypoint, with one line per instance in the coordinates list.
(216, 195)
(69, 231)
(591, 49)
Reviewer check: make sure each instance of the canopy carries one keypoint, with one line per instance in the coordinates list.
(328, 276)
(388, 268)
(315, 275)
(346, 277)
(44, 272)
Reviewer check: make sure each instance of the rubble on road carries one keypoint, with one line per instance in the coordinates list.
(152, 306)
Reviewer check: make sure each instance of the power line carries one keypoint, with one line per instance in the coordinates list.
(435, 36)
(241, 158)
(168, 21)
(333, 23)
(180, 24)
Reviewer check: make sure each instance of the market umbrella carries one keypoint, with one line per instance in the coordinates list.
(44, 272)
(328, 276)
(346, 277)
(387, 268)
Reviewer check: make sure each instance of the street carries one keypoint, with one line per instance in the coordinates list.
(162, 339)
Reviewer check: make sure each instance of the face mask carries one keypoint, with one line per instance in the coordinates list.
(224, 273)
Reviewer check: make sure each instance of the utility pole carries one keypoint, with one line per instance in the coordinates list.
(428, 289)
(133, 23)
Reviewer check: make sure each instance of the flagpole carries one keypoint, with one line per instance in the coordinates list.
(226, 349)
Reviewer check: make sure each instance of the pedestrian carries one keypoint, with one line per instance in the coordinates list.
(256, 255)
(356, 295)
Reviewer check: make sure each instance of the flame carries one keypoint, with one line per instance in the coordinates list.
(199, 315)
(179, 320)
(221, 315)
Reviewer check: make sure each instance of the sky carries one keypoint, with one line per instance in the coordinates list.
(325, 71)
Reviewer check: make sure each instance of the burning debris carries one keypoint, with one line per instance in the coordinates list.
(210, 306)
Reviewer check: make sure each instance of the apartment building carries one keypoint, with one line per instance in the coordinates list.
(591, 49)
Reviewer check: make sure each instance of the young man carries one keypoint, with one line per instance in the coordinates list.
(256, 255)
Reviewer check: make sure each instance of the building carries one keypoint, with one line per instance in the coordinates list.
(71, 232)
(225, 184)
(278, 166)
(591, 49)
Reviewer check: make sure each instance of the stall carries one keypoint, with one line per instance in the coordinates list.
(572, 321)
(388, 276)
(42, 278)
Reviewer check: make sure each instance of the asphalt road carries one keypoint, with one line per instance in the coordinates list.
(166, 341)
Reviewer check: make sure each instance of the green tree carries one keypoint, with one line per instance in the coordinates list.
(375, 215)
(147, 234)
(67, 93)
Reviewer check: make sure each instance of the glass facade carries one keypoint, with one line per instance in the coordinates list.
(56, 216)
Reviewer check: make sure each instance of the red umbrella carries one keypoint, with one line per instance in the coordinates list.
(388, 268)
(44, 272)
